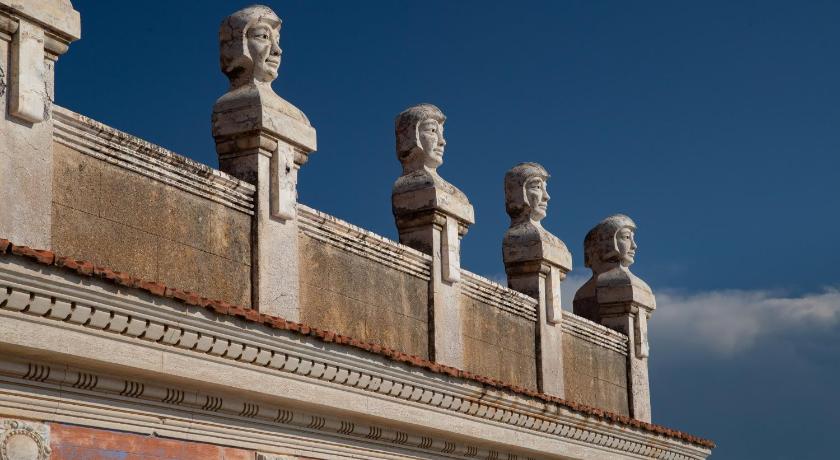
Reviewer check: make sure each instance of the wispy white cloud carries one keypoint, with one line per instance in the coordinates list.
(732, 321)
(727, 322)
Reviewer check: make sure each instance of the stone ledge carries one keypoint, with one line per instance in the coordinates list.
(344, 235)
(100, 141)
(501, 297)
(594, 333)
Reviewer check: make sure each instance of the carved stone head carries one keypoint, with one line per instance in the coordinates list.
(526, 196)
(611, 242)
(249, 45)
(420, 142)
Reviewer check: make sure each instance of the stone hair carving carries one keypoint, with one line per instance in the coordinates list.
(419, 133)
(526, 196)
(249, 45)
(611, 242)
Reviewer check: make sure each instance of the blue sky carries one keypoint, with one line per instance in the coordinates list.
(714, 125)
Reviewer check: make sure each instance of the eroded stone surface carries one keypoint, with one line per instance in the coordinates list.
(618, 299)
(536, 263)
(24, 440)
(263, 139)
(432, 216)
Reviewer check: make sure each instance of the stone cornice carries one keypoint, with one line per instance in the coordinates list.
(53, 299)
(484, 290)
(343, 235)
(594, 333)
(100, 141)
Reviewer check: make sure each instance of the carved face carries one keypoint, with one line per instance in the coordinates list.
(430, 135)
(264, 49)
(537, 196)
(625, 244)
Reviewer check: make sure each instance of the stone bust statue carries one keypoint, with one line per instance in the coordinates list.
(420, 146)
(249, 55)
(249, 43)
(609, 250)
(526, 202)
(610, 244)
(419, 134)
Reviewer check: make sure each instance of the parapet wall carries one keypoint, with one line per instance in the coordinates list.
(362, 285)
(124, 203)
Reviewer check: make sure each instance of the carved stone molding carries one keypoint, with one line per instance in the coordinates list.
(20, 440)
(100, 141)
(495, 294)
(343, 235)
(193, 332)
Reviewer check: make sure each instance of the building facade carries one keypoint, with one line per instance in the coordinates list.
(154, 307)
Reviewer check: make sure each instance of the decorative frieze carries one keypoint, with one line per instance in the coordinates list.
(74, 306)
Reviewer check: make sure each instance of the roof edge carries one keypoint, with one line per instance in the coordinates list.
(88, 269)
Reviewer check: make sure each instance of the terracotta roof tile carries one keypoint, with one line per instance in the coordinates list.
(86, 268)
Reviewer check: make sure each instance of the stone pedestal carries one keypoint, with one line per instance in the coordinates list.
(536, 262)
(432, 216)
(264, 140)
(621, 301)
(539, 275)
(433, 220)
(33, 34)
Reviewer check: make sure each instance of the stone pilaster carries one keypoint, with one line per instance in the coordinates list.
(536, 262)
(620, 300)
(33, 34)
(264, 140)
(432, 216)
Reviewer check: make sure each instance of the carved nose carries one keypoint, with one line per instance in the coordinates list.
(442, 141)
(546, 196)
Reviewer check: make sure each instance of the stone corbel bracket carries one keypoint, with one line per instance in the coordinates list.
(39, 32)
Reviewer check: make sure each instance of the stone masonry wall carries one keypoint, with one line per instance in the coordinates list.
(498, 344)
(595, 375)
(347, 293)
(129, 222)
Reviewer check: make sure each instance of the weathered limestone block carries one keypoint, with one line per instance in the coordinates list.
(536, 262)
(33, 34)
(24, 440)
(432, 216)
(620, 300)
(264, 140)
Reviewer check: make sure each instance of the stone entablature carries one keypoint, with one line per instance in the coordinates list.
(49, 310)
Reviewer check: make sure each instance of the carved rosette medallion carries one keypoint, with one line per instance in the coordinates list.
(24, 441)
